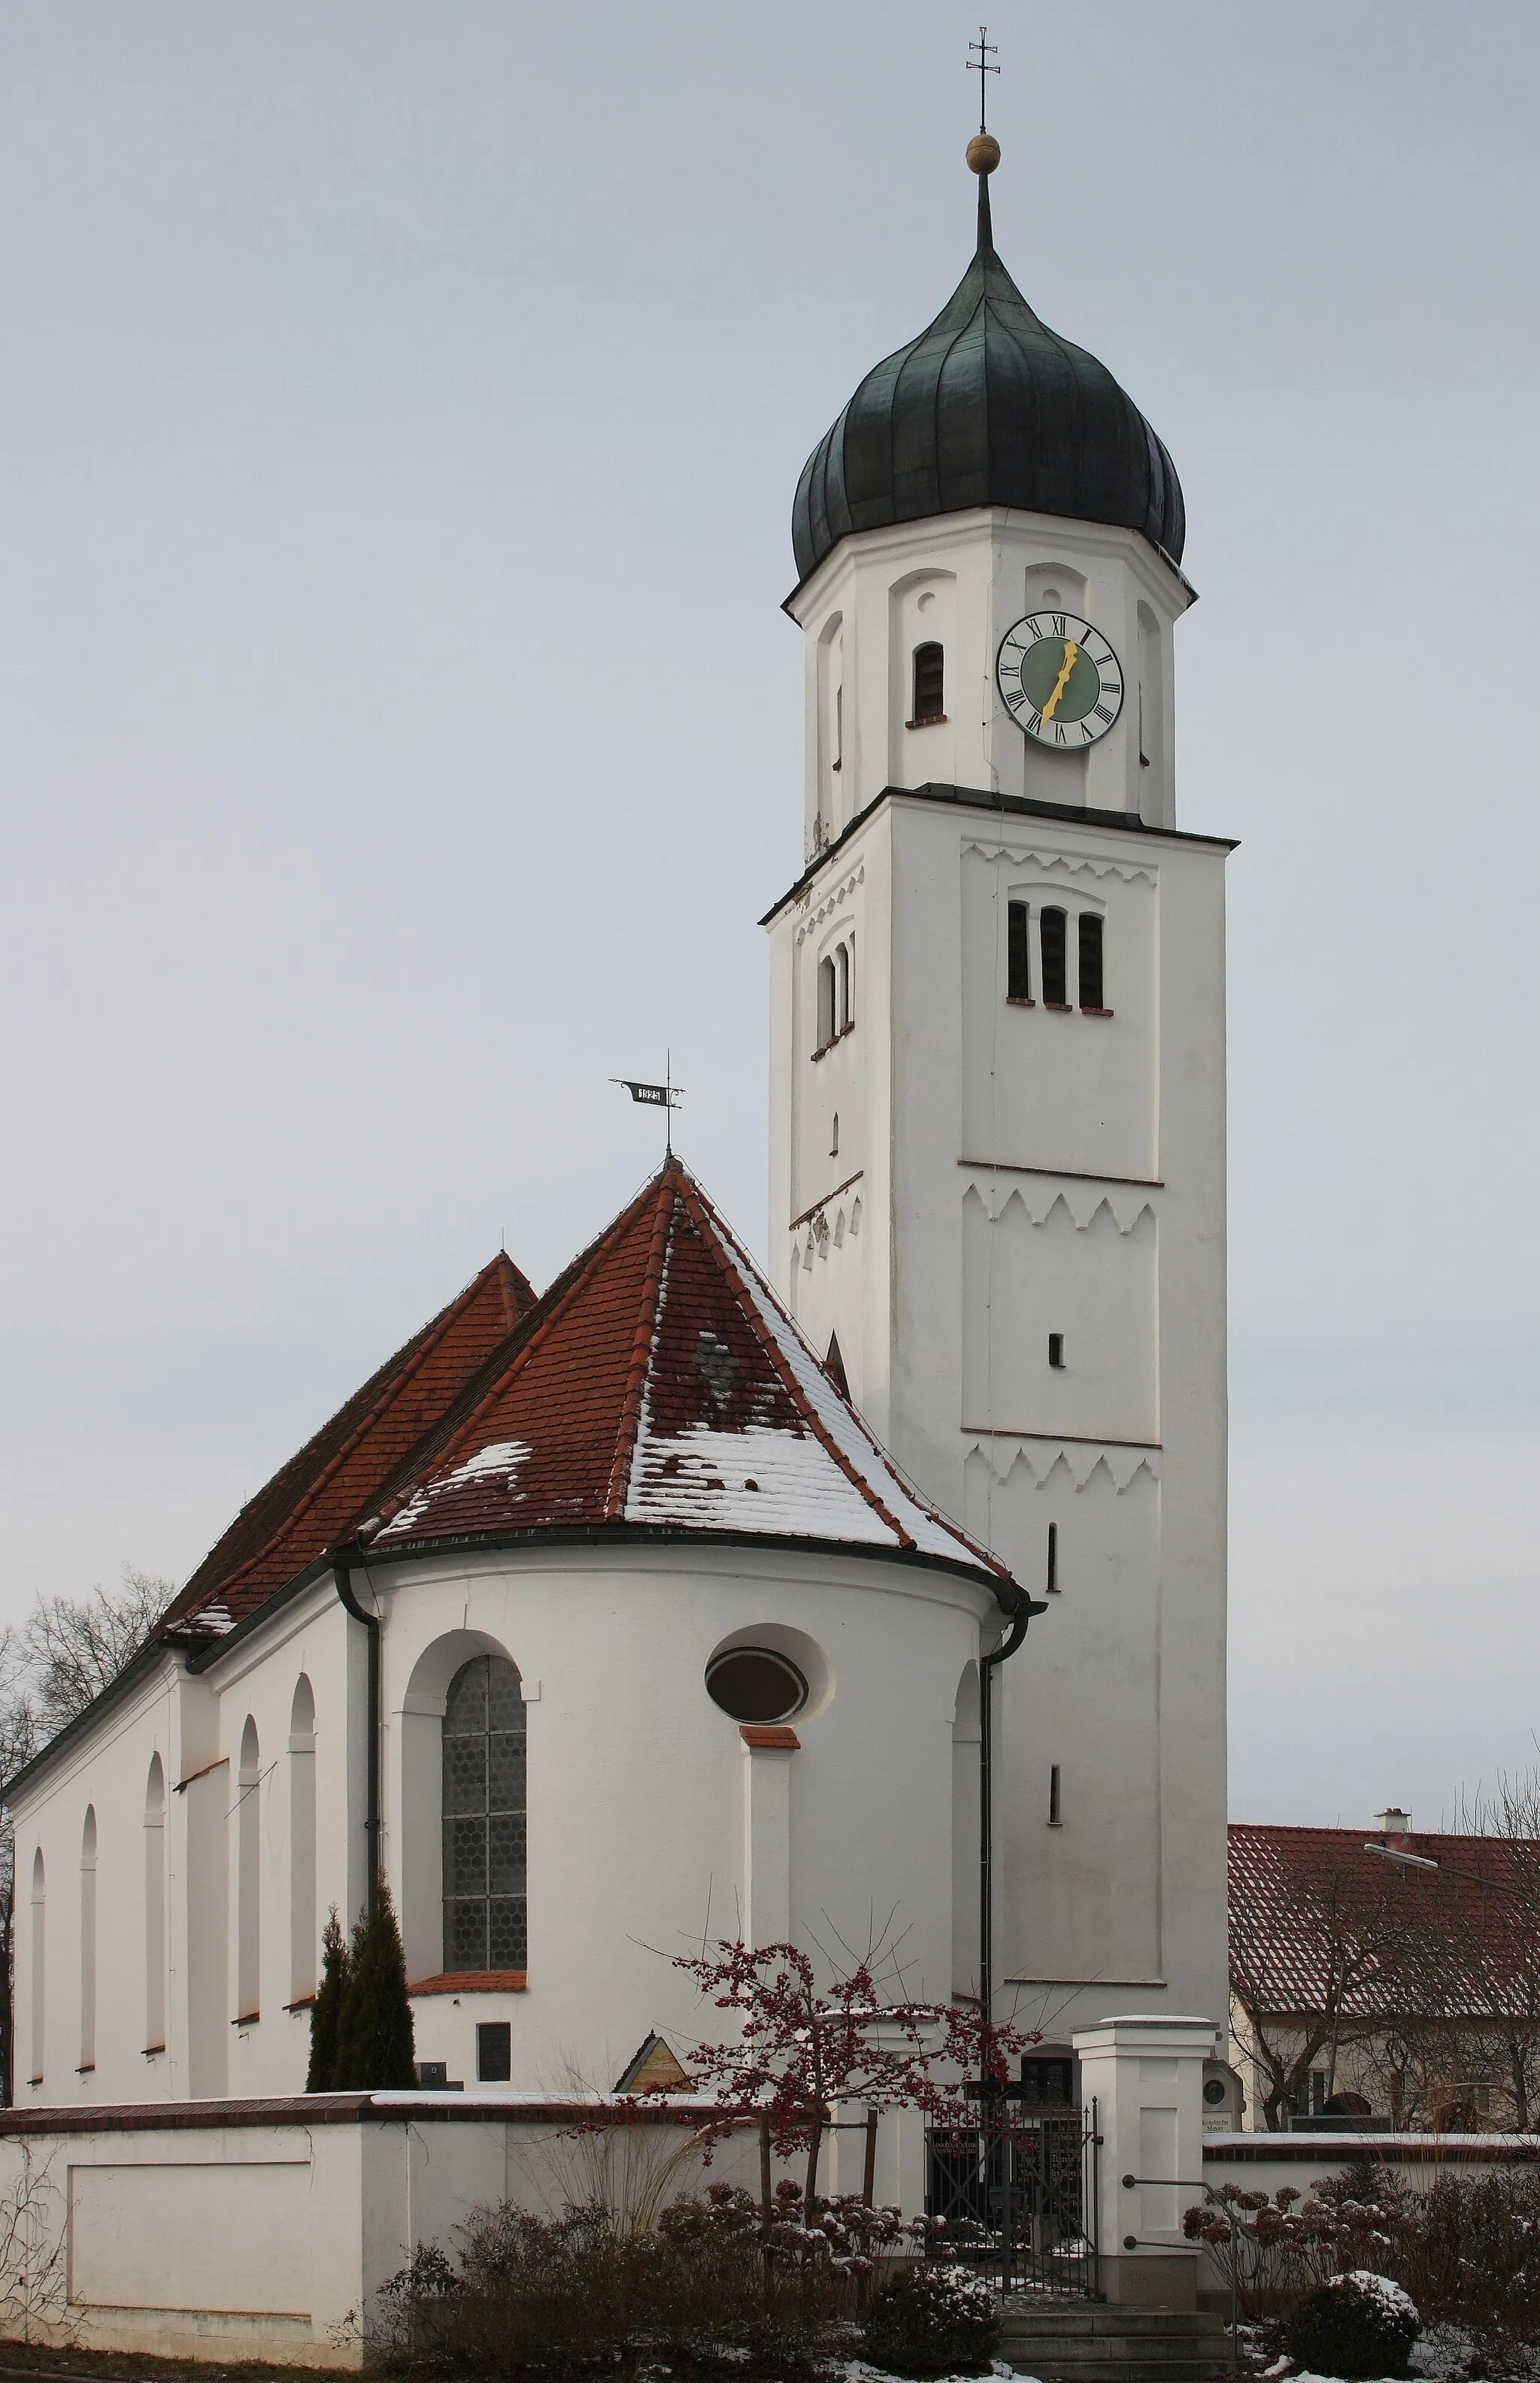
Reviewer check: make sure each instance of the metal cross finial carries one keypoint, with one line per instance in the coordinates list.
(980, 67)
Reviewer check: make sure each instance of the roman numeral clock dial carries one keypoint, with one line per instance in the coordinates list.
(1059, 680)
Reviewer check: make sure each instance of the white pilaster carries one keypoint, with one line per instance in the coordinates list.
(767, 1914)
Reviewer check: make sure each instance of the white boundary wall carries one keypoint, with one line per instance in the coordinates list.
(265, 2229)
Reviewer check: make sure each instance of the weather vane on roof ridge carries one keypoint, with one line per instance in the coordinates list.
(665, 1096)
(980, 67)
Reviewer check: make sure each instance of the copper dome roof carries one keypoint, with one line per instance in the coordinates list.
(987, 406)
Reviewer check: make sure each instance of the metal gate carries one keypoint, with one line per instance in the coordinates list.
(1018, 2198)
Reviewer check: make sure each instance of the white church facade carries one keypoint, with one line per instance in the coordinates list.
(657, 1607)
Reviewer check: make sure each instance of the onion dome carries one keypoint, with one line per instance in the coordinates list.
(987, 407)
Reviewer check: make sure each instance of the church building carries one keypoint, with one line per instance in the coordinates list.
(661, 1606)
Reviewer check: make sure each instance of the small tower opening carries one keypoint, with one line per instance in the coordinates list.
(930, 685)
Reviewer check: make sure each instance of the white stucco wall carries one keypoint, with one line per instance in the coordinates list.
(650, 1824)
(220, 2239)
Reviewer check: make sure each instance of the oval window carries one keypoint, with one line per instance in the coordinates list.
(752, 1683)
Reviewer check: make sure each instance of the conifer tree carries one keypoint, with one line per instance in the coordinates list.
(376, 2046)
(327, 2009)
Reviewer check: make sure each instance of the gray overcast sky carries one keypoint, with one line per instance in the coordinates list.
(401, 411)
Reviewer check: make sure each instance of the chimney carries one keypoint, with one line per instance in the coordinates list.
(1394, 1825)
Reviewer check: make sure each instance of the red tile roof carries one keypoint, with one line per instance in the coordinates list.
(1417, 1939)
(318, 1497)
(657, 1385)
(662, 1386)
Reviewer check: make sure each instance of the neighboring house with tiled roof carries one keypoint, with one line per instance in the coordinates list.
(1385, 1973)
(599, 1618)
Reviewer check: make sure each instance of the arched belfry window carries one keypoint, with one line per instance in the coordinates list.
(930, 687)
(485, 1855)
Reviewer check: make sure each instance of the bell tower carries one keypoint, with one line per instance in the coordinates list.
(997, 1170)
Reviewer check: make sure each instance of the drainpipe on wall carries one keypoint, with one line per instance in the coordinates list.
(342, 1562)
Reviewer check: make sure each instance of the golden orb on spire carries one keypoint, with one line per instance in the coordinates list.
(984, 153)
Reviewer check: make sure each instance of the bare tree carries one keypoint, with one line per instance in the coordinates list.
(1494, 1947)
(75, 1646)
(1325, 1955)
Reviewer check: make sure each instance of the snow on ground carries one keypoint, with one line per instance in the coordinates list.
(856, 2370)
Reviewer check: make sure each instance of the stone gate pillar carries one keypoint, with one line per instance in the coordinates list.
(1147, 2077)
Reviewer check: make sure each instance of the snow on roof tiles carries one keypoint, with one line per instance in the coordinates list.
(663, 1386)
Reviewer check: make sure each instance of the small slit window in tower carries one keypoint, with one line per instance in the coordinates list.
(1055, 1351)
(839, 727)
(1019, 950)
(930, 685)
(1055, 992)
(1056, 1811)
(834, 1137)
(842, 987)
(826, 1002)
(1053, 1558)
(1091, 960)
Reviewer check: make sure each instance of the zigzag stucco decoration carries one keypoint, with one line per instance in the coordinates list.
(1081, 1460)
(1081, 1202)
(831, 903)
(1057, 864)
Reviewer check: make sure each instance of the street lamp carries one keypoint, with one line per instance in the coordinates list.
(1424, 1861)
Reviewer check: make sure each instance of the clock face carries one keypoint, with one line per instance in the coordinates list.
(1060, 680)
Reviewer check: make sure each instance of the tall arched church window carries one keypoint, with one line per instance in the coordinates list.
(154, 1908)
(88, 1941)
(930, 685)
(485, 1849)
(1055, 982)
(248, 1876)
(1091, 960)
(39, 1916)
(301, 1842)
(842, 987)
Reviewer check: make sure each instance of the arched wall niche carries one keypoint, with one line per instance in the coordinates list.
(1050, 585)
(247, 1842)
(39, 1972)
(302, 1931)
(831, 725)
(87, 1942)
(155, 1907)
(966, 1811)
(420, 1726)
(1151, 694)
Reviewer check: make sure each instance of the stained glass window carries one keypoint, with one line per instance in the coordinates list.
(484, 1854)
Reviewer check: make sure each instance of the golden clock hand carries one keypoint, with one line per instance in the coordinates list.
(1071, 656)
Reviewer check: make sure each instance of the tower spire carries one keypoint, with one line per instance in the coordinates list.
(983, 150)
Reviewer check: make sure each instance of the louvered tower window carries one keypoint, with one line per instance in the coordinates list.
(485, 1855)
(1018, 964)
(929, 685)
(1052, 929)
(1091, 960)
